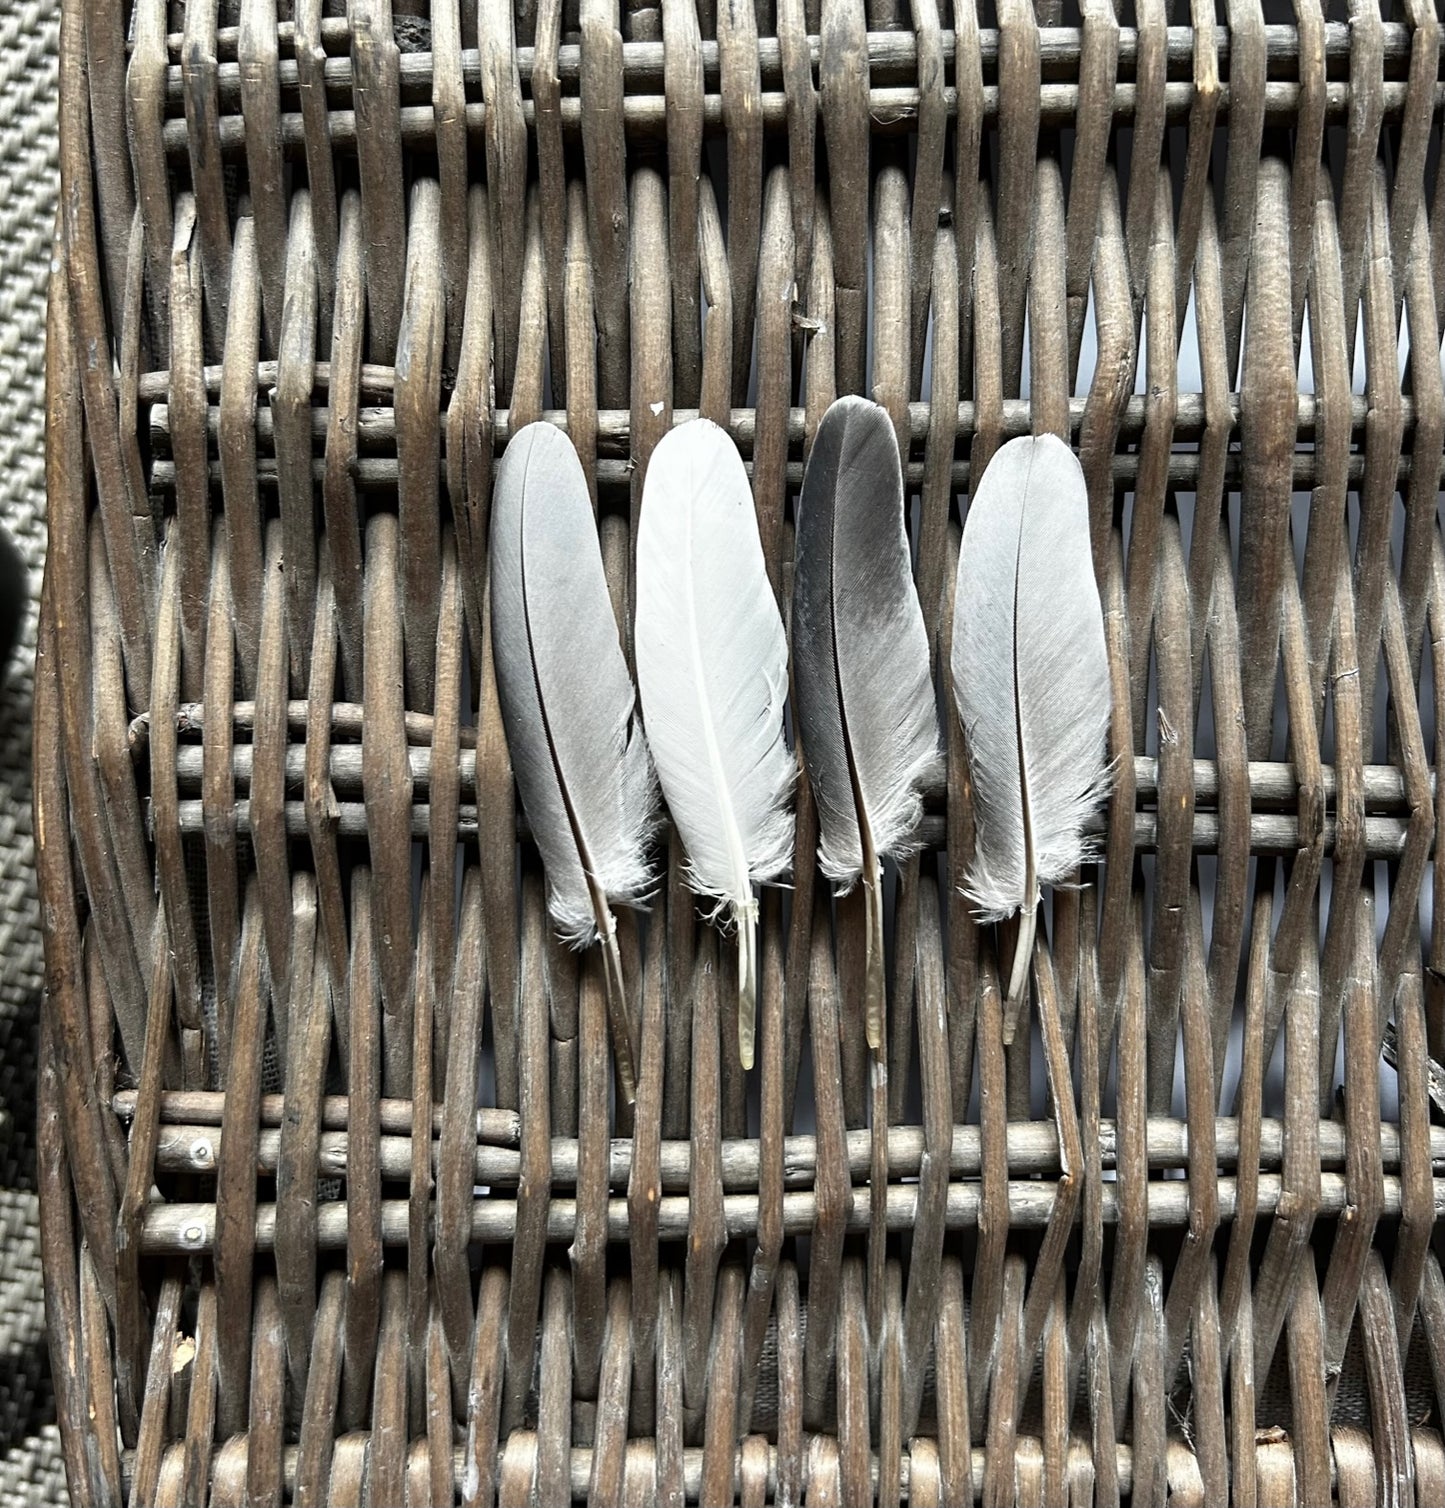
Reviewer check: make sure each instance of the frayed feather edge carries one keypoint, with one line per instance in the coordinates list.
(576, 926)
(578, 929)
(985, 907)
(901, 840)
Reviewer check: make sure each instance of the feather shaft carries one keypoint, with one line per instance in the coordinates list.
(745, 919)
(874, 993)
(1019, 975)
(618, 1016)
(871, 878)
(1029, 914)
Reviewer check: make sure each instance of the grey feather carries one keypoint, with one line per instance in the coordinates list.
(864, 698)
(568, 704)
(1031, 680)
(712, 667)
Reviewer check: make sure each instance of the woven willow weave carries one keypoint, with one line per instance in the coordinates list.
(316, 264)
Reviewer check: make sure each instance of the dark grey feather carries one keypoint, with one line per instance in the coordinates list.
(864, 698)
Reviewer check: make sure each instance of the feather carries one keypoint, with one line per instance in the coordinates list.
(568, 704)
(712, 667)
(1031, 680)
(864, 697)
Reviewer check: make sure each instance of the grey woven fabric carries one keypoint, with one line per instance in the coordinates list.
(31, 1471)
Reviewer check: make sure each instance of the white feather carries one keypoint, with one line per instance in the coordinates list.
(712, 667)
(568, 703)
(712, 664)
(1030, 677)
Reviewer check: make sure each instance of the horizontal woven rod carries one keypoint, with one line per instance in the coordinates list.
(892, 60)
(204, 1108)
(1268, 833)
(1270, 785)
(346, 720)
(1033, 1148)
(890, 53)
(174, 1228)
(374, 381)
(889, 109)
(379, 473)
(376, 423)
(579, 1465)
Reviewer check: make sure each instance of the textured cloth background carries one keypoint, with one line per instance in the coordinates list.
(30, 1464)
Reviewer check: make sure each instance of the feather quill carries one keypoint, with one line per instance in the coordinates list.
(1031, 680)
(864, 697)
(712, 668)
(568, 704)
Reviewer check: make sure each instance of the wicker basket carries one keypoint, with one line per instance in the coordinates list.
(315, 263)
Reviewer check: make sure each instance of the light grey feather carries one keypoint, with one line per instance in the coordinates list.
(1030, 677)
(864, 698)
(568, 703)
(712, 667)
